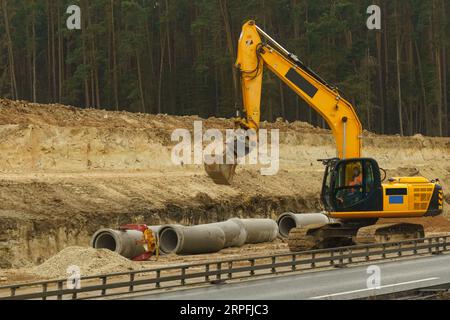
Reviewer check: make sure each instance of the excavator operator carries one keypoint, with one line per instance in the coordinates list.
(351, 192)
(354, 194)
(357, 178)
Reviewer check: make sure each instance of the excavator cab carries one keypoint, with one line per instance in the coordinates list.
(352, 185)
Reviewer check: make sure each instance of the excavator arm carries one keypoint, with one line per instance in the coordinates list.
(253, 55)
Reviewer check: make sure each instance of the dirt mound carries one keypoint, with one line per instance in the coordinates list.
(90, 261)
(26, 113)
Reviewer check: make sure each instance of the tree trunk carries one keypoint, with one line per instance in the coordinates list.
(33, 35)
(169, 50)
(422, 88)
(444, 75)
(399, 82)
(439, 90)
(445, 90)
(308, 50)
(53, 54)
(381, 84)
(114, 58)
(12, 66)
(282, 104)
(60, 56)
(87, 103)
(387, 113)
(161, 70)
(141, 90)
(231, 51)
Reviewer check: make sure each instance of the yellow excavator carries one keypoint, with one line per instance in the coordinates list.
(354, 193)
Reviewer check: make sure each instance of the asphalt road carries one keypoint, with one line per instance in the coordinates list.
(344, 283)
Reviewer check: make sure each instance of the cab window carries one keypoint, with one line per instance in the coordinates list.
(354, 181)
(349, 174)
(370, 178)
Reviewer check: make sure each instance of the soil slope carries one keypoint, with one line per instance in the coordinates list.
(65, 172)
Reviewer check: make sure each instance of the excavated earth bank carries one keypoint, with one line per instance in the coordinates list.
(66, 172)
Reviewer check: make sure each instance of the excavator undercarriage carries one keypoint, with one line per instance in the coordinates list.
(338, 234)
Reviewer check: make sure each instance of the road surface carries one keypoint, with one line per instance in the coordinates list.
(343, 283)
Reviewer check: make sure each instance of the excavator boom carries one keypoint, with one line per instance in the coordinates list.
(253, 55)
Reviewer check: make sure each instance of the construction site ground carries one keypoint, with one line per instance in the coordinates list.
(65, 172)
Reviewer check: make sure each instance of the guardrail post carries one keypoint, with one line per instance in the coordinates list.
(341, 259)
(350, 254)
(437, 247)
(183, 276)
(230, 267)
(13, 291)
(400, 249)
(294, 259)
(430, 248)
(60, 288)
(103, 284)
(44, 291)
(415, 247)
(207, 272)
(158, 276)
(274, 260)
(131, 289)
(219, 269)
(367, 254)
(383, 248)
(313, 258)
(332, 257)
(252, 264)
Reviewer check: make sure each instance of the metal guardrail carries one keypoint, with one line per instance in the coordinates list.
(219, 271)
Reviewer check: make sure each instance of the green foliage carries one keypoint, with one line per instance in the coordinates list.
(172, 56)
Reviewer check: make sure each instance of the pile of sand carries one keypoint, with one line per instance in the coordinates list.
(90, 261)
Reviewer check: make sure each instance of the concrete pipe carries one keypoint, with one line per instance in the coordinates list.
(235, 232)
(289, 220)
(124, 243)
(191, 240)
(260, 230)
(213, 237)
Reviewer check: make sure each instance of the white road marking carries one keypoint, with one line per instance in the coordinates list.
(377, 288)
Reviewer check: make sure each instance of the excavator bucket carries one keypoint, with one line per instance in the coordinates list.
(221, 173)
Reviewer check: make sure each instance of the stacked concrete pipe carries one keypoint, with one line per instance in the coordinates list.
(206, 238)
(213, 237)
(289, 220)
